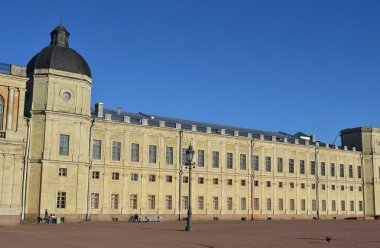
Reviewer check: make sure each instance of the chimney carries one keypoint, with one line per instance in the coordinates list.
(99, 110)
(193, 127)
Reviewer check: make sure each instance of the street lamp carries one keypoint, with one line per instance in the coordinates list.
(189, 163)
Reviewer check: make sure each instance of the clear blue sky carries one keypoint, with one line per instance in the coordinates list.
(311, 66)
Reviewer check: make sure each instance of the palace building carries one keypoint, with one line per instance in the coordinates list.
(59, 154)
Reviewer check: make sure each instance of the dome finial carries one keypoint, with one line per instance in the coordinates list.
(60, 36)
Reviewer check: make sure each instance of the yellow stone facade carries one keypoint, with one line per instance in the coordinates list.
(100, 164)
(12, 142)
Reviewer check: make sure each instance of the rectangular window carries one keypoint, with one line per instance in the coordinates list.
(256, 203)
(352, 206)
(201, 180)
(64, 145)
(360, 206)
(313, 205)
(183, 156)
(135, 152)
(215, 203)
(201, 158)
(152, 178)
(291, 205)
(333, 187)
(342, 187)
(169, 179)
(200, 202)
(215, 181)
(312, 167)
(169, 155)
(168, 202)
(333, 205)
(61, 199)
(343, 205)
(291, 185)
(302, 167)
(114, 201)
(151, 202)
(185, 202)
(351, 188)
(359, 172)
(280, 184)
(229, 160)
(95, 175)
(291, 166)
(243, 183)
(350, 171)
(243, 161)
(185, 179)
(255, 162)
(360, 188)
(313, 186)
(94, 200)
(302, 185)
(323, 186)
(280, 204)
(115, 175)
(303, 205)
(133, 202)
(269, 184)
(229, 203)
(116, 147)
(279, 165)
(268, 164)
(256, 183)
(323, 169)
(229, 181)
(62, 172)
(96, 149)
(341, 170)
(269, 204)
(243, 203)
(134, 177)
(215, 159)
(332, 169)
(152, 154)
(324, 207)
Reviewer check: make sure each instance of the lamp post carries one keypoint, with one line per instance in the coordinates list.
(190, 164)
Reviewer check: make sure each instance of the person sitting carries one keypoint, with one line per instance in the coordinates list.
(39, 219)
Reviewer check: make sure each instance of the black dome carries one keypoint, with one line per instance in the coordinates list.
(59, 56)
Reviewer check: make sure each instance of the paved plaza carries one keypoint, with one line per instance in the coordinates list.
(344, 233)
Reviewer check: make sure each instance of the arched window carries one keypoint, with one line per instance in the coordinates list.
(1, 112)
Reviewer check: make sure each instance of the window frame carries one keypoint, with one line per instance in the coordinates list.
(152, 154)
(116, 151)
(64, 145)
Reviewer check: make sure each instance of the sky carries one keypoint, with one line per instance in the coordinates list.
(285, 65)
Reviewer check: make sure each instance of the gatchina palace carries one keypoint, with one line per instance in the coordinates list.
(59, 154)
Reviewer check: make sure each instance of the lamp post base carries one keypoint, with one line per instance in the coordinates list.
(189, 226)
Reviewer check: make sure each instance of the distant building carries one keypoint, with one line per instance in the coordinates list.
(58, 154)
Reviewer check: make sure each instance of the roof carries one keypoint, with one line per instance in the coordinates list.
(170, 122)
(153, 120)
(59, 56)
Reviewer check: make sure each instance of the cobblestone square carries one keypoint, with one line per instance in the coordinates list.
(344, 233)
